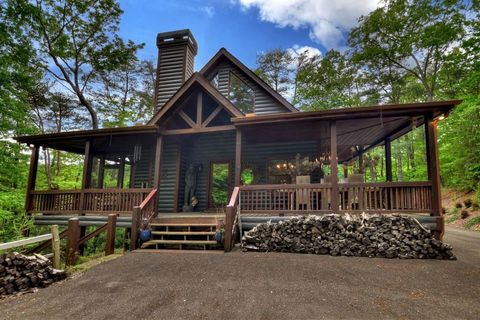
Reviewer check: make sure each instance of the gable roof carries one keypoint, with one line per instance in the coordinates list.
(196, 79)
(224, 54)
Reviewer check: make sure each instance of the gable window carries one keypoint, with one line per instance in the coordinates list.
(241, 95)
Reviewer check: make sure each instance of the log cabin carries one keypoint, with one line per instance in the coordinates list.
(222, 145)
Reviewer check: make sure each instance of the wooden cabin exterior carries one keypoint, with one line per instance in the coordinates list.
(225, 117)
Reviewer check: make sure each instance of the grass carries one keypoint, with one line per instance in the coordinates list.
(453, 217)
(85, 263)
(472, 222)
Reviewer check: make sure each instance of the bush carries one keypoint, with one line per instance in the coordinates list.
(452, 217)
(458, 205)
(468, 203)
(472, 222)
(464, 214)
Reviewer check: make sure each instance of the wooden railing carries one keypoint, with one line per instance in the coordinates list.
(97, 201)
(142, 215)
(232, 219)
(389, 197)
(285, 198)
(401, 197)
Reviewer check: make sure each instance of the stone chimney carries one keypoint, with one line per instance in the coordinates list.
(176, 54)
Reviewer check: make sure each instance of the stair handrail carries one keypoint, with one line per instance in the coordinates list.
(144, 213)
(232, 217)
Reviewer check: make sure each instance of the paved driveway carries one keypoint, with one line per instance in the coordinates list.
(264, 286)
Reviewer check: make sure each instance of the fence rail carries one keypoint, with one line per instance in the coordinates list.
(98, 201)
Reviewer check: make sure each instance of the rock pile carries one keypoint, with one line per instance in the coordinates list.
(20, 273)
(365, 236)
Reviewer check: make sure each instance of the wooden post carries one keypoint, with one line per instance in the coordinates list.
(87, 173)
(111, 228)
(157, 167)
(136, 214)
(55, 246)
(32, 177)
(101, 173)
(334, 166)
(229, 217)
(434, 172)
(238, 158)
(388, 158)
(72, 241)
(121, 173)
(345, 170)
(360, 159)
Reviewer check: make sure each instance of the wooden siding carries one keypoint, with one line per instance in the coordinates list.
(175, 65)
(168, 177)
(203, 149)
(264, 103)
(256, 156)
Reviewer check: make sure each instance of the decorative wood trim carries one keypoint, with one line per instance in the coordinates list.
(187, 119)
(212, 116)
(197, 130)
(199, 108)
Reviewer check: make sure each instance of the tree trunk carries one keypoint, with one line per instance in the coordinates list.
(399, 167)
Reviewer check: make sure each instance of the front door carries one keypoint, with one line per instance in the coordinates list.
(219, 184)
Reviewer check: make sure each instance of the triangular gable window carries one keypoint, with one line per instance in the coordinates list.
(241, 95)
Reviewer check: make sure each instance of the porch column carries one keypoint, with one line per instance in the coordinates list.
(156, 169)
(32, 176)
(333, 166)
(87, 173)
(101, 173)
(121, 173)
(434, 171)
(360, 159)
(238, 158)
(388, 158)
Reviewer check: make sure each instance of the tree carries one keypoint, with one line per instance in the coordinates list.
(276, 67)
(412, 36)
(330, 83)
(126, 95)
(75, 40)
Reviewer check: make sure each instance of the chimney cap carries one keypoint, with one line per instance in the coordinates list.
(176, 37)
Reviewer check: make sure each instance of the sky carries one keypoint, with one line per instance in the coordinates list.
(244, 27)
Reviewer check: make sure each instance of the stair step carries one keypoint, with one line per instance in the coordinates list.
(180, 242)
(186, 224)
(187, 233)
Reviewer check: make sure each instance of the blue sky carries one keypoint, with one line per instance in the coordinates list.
(244, 27)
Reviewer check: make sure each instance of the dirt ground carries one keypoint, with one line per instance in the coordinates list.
(264, 286)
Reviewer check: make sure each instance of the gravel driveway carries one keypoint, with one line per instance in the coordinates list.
(264, 286)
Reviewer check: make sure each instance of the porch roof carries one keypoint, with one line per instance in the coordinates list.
(74, 141)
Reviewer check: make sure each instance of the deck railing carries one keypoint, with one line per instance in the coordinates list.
(90, 201)
(389, 197)
(142, 216)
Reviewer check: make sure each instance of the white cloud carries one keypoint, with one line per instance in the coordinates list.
(310, 52)
(326, 20)
(208, 10)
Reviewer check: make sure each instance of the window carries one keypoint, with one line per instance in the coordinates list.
(241, 95)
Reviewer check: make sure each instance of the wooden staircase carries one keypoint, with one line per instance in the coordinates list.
(183, 233)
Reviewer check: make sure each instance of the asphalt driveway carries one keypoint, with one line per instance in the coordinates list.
(264, 286)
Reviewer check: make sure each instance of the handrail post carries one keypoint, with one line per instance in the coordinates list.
(229, 218)
(55, 246)
(111, 229)
(136, 214)
(72, 241)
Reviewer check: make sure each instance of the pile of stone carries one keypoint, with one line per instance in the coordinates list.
(20, 273)
(361, 236)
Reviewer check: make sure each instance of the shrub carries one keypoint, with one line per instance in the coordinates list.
(472, 222)
(475, 206)
(458, 205)
(464, 214)
(452, 217)
(468, 203)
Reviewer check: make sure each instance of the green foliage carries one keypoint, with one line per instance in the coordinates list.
(475, 221)
(452, 217)
(219, 191)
